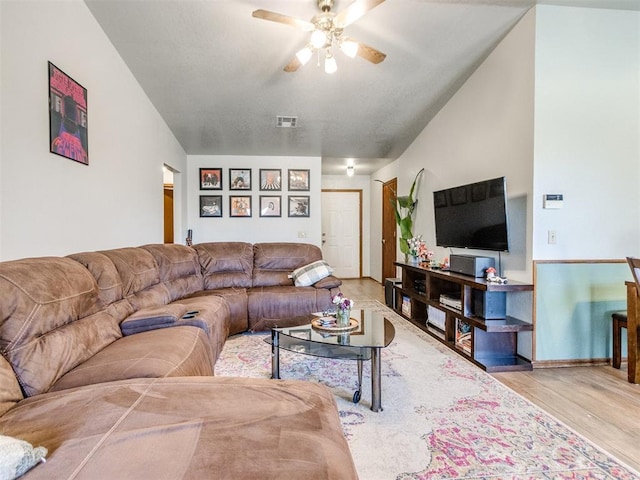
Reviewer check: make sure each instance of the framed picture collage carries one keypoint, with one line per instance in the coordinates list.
(240, 201)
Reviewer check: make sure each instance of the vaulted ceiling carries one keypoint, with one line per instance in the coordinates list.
(215, 73)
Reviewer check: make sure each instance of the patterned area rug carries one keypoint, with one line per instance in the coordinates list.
(443, 417)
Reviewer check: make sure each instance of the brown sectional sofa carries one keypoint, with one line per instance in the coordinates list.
(108, 360)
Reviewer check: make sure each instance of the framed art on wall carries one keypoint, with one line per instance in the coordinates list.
(239, 179)
(299, 180)
(270, 179)
(240, 206)
(67, 117)
(298, 205)
(210, 205)
(210, 179)
(270, 206)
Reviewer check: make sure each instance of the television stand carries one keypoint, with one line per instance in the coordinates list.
(490, 343)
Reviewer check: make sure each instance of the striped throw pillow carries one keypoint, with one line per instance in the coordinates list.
(311, 273)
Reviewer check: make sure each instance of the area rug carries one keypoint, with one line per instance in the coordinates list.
(443, 417)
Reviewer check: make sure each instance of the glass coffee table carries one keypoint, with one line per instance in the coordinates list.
(364, 342)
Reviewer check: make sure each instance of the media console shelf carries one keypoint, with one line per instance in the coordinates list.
(491, 343)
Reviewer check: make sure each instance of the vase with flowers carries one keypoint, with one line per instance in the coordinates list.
(344, 306)
(418, 251)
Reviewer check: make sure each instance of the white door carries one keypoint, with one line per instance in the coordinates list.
(341, 232)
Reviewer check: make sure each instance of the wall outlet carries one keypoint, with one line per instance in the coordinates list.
(551, 237)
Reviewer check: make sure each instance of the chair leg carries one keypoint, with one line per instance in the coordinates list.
(617, 339)
(619, 322)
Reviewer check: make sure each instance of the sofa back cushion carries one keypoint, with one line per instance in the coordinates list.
(10, 392)
(225, 264)
(274, 262)
(50, 319)
(140, 277)
(179, 268)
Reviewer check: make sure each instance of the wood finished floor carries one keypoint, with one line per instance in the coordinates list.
(596, 402)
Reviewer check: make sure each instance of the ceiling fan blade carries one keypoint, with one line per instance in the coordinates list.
(354, 11)
(287, 20)
(293, 65)
(370, 53)
(367, 52)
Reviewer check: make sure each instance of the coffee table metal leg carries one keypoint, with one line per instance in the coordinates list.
(275, 354)
(376, 390)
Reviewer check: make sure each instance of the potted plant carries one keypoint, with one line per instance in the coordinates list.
(404, 207)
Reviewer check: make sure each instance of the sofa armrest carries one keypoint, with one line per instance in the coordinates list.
(153, 318)
(328, 282)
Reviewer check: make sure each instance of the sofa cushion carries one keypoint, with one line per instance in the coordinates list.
(179, 268)
(167, 352)
(274, 262)
(49, 322)
(236, 300)
(270, 306)
(196, 427)
(311, 273)
(225, 264)
(140, 277)
(10, 392)
(105, 274)
(329, 282)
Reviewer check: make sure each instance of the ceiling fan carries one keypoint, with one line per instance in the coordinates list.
(326, 32)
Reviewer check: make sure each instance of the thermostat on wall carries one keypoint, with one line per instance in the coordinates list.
(552, 200)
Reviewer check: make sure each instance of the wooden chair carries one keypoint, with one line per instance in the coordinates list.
(633, 319)
(634, 263)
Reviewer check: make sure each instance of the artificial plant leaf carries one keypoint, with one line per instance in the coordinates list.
(406, 226)
(404, 246)
(413, 185)
(405, 202)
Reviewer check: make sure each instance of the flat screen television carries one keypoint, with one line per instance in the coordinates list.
(473, 216)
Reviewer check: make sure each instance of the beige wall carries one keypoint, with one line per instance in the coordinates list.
(484, 131)
(50, 205)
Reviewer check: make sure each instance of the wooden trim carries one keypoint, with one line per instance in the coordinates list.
(587, 261)
(584, 362)
(359, 192)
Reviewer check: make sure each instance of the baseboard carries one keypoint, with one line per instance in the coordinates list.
(586, 362)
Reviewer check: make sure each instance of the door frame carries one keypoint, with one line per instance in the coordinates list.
(359, 192)
(386, 202)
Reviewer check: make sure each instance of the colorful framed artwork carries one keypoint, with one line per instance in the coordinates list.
(299, 180)
(210, 179)
(270, 206)
(210, 205)
(239, 179)
(67, 117)
(270, 179)
(298, 205)
(240, 206)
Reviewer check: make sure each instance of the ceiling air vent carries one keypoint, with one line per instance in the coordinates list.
(286, 122)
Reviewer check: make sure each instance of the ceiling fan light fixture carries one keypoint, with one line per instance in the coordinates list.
(318, 38)
(330, 65)
(350, 48)
(304, 55)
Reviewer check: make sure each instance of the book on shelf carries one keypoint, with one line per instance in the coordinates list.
(436, 317)
(463, 336)
(406, 306)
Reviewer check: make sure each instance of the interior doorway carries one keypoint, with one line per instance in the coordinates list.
(168, 183)
(342, 231)
(389, 229)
